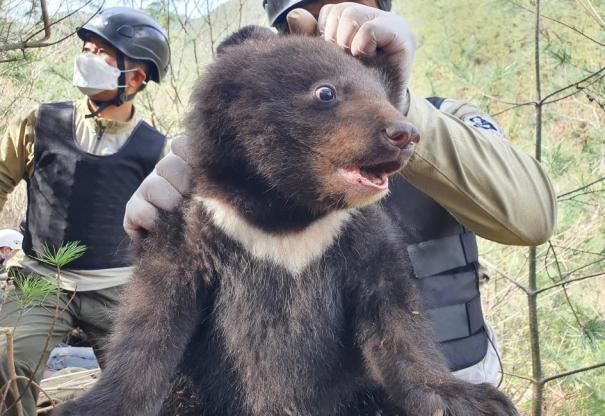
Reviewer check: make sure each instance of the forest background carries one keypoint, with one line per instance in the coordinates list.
(537, 66)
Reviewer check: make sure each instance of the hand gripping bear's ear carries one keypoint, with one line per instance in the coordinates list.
(246, 33)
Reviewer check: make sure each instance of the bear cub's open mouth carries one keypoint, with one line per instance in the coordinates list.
(373, 176)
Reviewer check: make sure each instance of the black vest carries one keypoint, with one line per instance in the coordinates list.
(77, 196)
(444, 258)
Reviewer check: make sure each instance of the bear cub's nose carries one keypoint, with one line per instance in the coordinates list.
(401, 134)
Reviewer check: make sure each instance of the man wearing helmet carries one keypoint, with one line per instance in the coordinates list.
(82, 161)
(10, 244)
(465, 179)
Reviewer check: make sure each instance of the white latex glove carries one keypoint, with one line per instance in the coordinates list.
(361, 30)
(163, 188)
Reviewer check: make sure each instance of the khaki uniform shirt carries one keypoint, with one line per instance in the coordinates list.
(94, 135)
(465, 163)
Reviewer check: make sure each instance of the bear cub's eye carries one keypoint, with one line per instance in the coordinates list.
(325, 93)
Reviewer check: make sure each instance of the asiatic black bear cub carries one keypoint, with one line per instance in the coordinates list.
(277, 287)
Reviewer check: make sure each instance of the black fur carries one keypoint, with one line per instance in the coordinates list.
(245, 335)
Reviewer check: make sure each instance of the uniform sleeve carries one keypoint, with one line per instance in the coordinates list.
(16, 154)
(465, 164)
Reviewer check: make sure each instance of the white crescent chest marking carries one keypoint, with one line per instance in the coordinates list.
(294, 251)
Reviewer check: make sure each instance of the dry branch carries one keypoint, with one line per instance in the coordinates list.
(571, 372)
(26, 44)
(10, 385)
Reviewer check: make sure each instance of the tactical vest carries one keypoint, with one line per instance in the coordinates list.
(445, 258)
(77, 196)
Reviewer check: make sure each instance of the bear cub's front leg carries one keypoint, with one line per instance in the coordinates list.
(402, 358)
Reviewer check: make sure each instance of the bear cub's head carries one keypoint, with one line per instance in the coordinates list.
(293, 124)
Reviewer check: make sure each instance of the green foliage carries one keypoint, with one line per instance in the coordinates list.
(558, 158)
(60, 257)
(560, 51)
(33, 290)
(595, 331)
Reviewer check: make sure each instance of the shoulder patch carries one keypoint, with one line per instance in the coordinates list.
(483, 121)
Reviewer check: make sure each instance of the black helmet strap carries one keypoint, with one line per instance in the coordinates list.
(119, 99)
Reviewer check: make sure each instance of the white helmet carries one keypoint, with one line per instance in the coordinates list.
(10, 238)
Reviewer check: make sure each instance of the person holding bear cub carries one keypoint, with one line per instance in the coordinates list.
(464, 179)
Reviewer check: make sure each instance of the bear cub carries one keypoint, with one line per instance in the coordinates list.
(278, 287)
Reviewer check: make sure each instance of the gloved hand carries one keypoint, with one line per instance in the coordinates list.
(361, 30)
(163, 188)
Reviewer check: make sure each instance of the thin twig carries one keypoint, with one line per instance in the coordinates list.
(577, 85)
(592, 12)
(491, 97)
(574, 197)
(503, 274)
(581, 188)
(44, 410)
(577, 250)
(36, 385)
(567, 298)
(578, 31)
(513, 107)
(571, 372)
(11, 384)
(518, 376)
(45, 22)
(566, 282)
(25, 45)
(592, 98)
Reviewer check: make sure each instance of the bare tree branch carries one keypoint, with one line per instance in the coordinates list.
(577, 250)
(567, 299)
(514, 107)
(600, 74)
(518, 376)
(569, 281)
(504, 275)
(45, 22)
(580, 188)
(11, 383)
(593, 99)
(571, 372)
(576, 30)
(42, 44)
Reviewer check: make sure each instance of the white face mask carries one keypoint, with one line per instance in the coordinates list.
(92, 75)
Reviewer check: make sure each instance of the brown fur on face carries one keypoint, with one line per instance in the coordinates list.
(277, 124)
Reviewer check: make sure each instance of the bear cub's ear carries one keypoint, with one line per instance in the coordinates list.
(246, 33)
